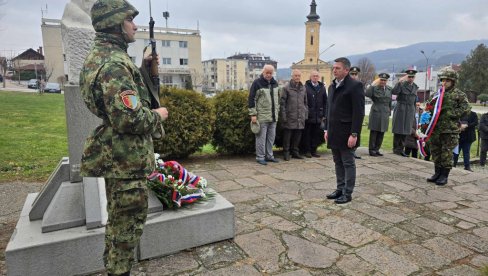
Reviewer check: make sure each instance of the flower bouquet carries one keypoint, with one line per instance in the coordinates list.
(428, 119)
(175, 186)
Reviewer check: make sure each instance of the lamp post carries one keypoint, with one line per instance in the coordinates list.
(426, 67)
(318, 57)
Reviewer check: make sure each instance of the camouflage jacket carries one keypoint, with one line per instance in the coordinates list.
(455, 105)
(113, 89)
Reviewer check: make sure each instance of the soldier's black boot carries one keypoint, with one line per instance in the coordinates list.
(442, 180)
(436, 175)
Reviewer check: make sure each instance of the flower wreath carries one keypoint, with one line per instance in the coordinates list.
(428, 119)
(175, 186)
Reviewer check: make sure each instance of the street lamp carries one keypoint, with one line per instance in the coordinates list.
(426, 67)
(318, 57)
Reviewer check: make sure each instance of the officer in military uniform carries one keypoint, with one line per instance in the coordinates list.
(379, 116)
(120, 149)
(445, 136)
(354, 73)
(404, 113)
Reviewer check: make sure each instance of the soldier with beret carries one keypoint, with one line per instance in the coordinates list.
(354, 73)
(379, 116)
(445, 135)
(404, 113)
(121, 148)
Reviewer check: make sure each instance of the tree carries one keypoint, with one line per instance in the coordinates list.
(4, 67)
(368, 71)
(474, 71)
(483, 98)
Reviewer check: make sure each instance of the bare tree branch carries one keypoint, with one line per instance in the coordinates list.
(368, 70)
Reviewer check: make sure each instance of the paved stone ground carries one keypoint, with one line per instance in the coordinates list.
(397, 223)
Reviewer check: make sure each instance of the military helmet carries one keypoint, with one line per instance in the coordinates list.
(107, 14)
(448, 74)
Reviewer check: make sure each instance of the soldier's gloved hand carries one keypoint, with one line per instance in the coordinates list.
(163, 112)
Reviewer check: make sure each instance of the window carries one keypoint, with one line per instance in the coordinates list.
(166, 43)
(183, 61)
(167, 79)
(166, 60)
(183, 44)
(311, 40)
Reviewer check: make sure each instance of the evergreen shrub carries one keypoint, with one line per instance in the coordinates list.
(189, 126)
(232, 126)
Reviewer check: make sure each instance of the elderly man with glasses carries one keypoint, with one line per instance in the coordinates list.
(403, 115)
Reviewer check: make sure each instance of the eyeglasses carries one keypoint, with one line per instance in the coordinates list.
(411, 77)
(353, 74)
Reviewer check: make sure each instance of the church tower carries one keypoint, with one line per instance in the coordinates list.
(311, 59)
(312, 35)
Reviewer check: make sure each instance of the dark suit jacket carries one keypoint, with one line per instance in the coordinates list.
(469, 134)
(345, 112)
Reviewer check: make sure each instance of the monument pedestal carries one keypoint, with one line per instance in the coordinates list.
(79, 250)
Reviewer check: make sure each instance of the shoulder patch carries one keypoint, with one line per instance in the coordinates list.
(130, 99)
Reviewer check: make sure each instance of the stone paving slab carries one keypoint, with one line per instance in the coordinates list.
(397, 223)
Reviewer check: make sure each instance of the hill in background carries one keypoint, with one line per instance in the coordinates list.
(399, 59)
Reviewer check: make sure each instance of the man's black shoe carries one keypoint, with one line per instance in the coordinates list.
(273, 160)
(343, 199)
(401, 154)
(372, 153)
(357, 156)
(315, 155)
(334, 195)
(379, 153)
(297, 156)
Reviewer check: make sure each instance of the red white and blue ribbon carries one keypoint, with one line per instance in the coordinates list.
(187, 182)
(433, 121)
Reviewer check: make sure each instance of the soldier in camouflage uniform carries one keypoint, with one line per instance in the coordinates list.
(121, 148)
(445, 136)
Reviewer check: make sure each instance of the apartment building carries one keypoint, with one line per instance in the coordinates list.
(225, 74)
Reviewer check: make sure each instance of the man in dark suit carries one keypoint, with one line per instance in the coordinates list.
(345, 114)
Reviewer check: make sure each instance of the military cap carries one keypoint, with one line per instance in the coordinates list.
(448, 74)
(354, 70)
(411, 72)
(107, 14)
(255, 127)
(383, 76)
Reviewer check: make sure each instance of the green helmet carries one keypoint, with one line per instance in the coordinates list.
(108, 14)
(448, 74)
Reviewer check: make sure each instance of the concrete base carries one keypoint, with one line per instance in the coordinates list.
(77, 250)
(202, 223)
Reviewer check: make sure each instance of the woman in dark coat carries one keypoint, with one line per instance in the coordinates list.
(466, 138)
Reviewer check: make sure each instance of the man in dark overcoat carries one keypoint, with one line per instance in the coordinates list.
(317, 110)
(403, 115)
(345, 116)
(294, 112)
(379, 116)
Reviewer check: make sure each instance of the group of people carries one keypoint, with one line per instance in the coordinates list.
(114, 89)
(308, 109)
(300, 108)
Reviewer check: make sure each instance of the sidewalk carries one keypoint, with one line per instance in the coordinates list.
(397, 223)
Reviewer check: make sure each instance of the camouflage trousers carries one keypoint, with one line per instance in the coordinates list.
(441, 146)
(127, 212)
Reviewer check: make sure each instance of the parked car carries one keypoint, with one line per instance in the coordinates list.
(32, 84)
(52, 87)
(1, 78)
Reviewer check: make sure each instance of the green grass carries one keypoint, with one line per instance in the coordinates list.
(33, 135)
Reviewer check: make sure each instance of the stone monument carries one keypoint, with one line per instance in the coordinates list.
(61, 229)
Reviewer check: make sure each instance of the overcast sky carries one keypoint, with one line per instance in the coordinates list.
(276, 27)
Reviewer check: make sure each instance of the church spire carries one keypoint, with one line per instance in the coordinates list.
(313, 16)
